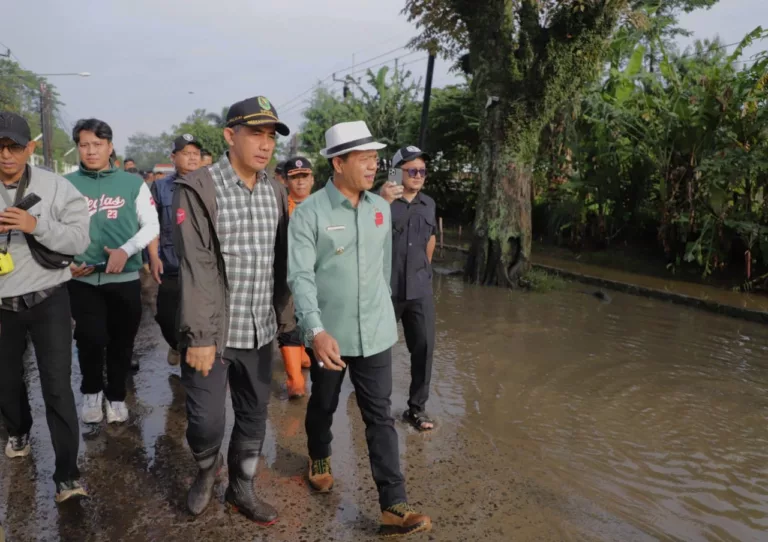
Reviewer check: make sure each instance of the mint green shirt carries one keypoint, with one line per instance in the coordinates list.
(339, 267)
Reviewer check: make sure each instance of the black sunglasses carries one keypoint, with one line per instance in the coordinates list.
(413, 172)
(15, 148)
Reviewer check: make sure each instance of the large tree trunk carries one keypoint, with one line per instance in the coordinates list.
(501, 246)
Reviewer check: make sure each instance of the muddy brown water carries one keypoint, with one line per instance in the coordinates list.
(560, 418)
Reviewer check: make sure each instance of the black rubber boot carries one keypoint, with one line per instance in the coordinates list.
(240, 496)
(201, 492)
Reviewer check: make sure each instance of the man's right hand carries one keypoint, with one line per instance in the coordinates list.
(326, 349)
(80, 270)
(201, 358)
(391, 191)
(156, 268)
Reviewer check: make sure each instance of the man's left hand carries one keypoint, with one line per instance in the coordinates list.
(117, 259)
(16, 219)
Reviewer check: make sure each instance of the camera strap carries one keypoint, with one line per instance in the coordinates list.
(23, 183)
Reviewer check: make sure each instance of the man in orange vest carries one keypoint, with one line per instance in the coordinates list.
(298, 173)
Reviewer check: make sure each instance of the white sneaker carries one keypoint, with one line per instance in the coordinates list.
(117, 412)
(92, 412)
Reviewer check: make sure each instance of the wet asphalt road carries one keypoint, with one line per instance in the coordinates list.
(559, 418)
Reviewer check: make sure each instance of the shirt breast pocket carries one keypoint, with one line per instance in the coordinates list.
(426, 227)
(336, 240)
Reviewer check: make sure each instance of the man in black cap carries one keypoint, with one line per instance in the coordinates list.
(413, 243)
(35, 241)
(163, 262)
(231, 237)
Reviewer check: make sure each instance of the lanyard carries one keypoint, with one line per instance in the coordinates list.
(23, 182)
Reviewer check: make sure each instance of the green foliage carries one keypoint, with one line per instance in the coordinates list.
(679, 154)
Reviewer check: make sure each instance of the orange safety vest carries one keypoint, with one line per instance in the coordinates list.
(291, 205)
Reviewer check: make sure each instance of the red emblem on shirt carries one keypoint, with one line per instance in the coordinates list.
(379, 218)
(180, 216)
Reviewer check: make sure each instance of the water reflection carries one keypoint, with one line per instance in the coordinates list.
(655, 413)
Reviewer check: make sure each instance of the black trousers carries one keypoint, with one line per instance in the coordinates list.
(107, 318)
(418, 316)
(168, 301)
(249, 374)
(50, 327)
(372, 378)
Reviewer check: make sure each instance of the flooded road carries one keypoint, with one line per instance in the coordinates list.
(560, 418)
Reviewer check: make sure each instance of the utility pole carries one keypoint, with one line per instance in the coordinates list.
(425, 105)
(294, 145)
(46, 126)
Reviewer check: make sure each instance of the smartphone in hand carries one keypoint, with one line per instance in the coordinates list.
(28, 201)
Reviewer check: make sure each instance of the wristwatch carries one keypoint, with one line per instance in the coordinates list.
(312, 333)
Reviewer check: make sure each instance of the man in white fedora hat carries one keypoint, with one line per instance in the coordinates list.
(339, 268)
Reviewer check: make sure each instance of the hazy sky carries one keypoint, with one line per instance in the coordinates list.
(147, 56)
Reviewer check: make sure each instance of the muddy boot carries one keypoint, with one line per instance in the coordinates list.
(402, 520)
(295, 380)
(240, 496)
(201, 492)
(306, 363)
(320, 475)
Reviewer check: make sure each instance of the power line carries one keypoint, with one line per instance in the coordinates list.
(329, 77)
(299, 104)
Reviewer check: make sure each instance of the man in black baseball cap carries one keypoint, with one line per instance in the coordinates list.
(231, 237)
(413, 243)
(257, 111)
(15, 128)
(35, 245)
(163, 261)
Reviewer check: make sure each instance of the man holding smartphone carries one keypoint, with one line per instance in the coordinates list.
(413, 243)
(34, 244)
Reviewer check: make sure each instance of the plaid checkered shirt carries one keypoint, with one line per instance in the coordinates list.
(246, 227)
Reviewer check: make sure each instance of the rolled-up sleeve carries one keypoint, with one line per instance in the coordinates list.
(302, 255)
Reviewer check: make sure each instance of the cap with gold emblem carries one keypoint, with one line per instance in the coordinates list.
(256, 111)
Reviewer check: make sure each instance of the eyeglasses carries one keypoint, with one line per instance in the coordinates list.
(14, 148)
(413, 172)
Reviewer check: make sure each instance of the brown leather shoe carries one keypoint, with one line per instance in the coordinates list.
(402, 520)
(320, 475)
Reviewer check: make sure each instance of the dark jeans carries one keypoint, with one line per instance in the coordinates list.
(372, 378)
(168, 301)
(418, 316)
(107, 318)
(50, 327)
(249, 374)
